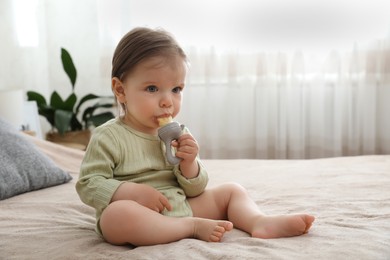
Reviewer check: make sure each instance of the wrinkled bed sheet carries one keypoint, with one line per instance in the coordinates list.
(350, 197)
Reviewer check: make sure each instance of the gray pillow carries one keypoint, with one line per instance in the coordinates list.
(23, 167)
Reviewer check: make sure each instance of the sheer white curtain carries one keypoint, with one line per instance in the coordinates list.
(267, 80)
(278, 105)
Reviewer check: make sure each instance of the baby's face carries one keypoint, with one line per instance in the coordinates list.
(154, 90)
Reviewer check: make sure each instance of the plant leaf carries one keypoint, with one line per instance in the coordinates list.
(47, 112)
(84, 99)
(58, 103)
(89, 111)
(35, 96)
(75, 124)
(43, 109)
(69, 67)
(62, 120)
(70, 102)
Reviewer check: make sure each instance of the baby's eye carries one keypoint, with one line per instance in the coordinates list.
(151, 88)
(177, 89)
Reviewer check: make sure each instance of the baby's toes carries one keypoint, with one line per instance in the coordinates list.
(215, 237)
(219, 229)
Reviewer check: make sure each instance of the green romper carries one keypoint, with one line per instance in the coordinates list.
(117, 153)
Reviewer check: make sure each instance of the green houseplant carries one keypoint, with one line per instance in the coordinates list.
(72, 114)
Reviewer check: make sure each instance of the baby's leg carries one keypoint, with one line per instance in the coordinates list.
(231, 201)
(126, 221)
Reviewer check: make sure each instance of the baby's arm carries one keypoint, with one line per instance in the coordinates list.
(143, 194)
(96, 184)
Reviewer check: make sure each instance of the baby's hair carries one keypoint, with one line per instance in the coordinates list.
(142, 43)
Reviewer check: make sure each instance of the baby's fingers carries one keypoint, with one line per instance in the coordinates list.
(175, 143)
(165, 202)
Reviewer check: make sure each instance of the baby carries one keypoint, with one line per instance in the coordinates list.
(139, 197)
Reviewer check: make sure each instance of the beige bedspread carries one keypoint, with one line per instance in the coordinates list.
(349, 196)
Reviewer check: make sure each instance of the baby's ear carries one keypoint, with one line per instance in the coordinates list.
(118, 89)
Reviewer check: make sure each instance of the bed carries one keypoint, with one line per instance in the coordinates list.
(350, 197)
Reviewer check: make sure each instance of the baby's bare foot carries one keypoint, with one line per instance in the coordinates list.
(282, 226)
(210, 230)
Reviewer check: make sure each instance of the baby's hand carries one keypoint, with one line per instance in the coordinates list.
(186, 148)
(151, 198)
